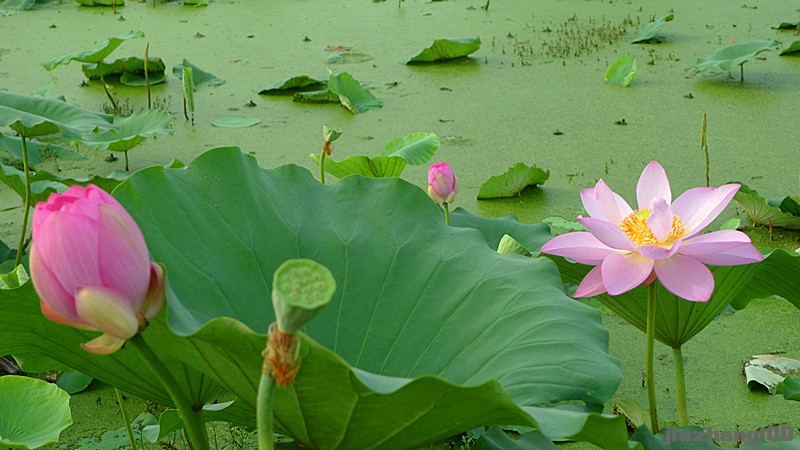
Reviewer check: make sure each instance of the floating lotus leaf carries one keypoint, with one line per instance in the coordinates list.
(235, 122)
(513, 181)
(352, 94)
(725, 59)
(622, 71)
(445, 49)
(130, 70)
(95, 55)
(793, 49)
(650, 30)
(293, 84)
(199, 76)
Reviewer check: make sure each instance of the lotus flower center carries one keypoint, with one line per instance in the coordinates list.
(636, 228)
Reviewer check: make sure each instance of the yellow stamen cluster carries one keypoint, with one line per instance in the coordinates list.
(636, 228)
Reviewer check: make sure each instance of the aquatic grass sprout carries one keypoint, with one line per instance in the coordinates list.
(661, 239)
(91, 268)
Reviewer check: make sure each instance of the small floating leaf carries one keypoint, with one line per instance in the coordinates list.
(651, 29)
(444, 49)
(348, 58)
(793, 49)
(92, 56)
(513, 181)
(130, 70)
(725, 59)
(788, 25)
(622, 71)
(199, 76)
(235, 122)
(352, 94)
(293, 84)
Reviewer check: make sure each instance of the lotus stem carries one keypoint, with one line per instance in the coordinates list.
(265, 404)
(108, 94)
(651, 334)
(27, 206)
(126, 161)
(680, 384)
(446, 213)
(486, 6)
(195, 427)
(322, 167)
(125, 419)
(147, 75)
(704, 147)
(741, 73)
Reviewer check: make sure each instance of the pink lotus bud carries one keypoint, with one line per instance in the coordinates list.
(442, 185)
(90, 266)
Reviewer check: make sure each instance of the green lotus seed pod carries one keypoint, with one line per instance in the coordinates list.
(510, 245)
(331, 133)
(300, 287)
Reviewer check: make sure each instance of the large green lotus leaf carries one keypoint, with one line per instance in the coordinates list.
(792, 49)
(132, 64)
(415, 148)
(44, 183)
(786, 204)
(293, 84)
(34, 115)
(513, 181)
(725, 59)
(33, 412)
(427, 313)
(622, 71)
(352, 95)
(130, 131)
(368, 166)
(531, 236)
(791, 388)
(444, 49)
(37, 149)
(199, 76)
(760, 212)
(24, 330)
(496, 439)
(678, 320)
(95, 55)
(650, 30)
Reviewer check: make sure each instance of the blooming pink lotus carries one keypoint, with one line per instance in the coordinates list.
(442, 185)
(661, 239)
(91, 268)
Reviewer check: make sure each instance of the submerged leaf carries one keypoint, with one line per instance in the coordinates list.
(651, 29)
(293, 84)
(622, 71)
(199, 76)
(725, 59)
(95, 55)
(445, 49)
(513, 181)
(235, 122)
(352, 94)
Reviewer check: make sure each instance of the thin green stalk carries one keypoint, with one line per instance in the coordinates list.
(322, 167)
(265, 402)
(446, 213)
(741, 73)
(27, 206)
(147, 75)
(704, 147)
(108, 94)
(680, 383)
(651, 337)
(195, 427)
(125, 419)
(126, 161)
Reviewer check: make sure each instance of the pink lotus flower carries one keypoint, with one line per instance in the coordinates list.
(91, 268)
(661, 239)
(442, 185)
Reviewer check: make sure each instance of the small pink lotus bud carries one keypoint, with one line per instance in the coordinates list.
(442, 185)
(90, 266)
